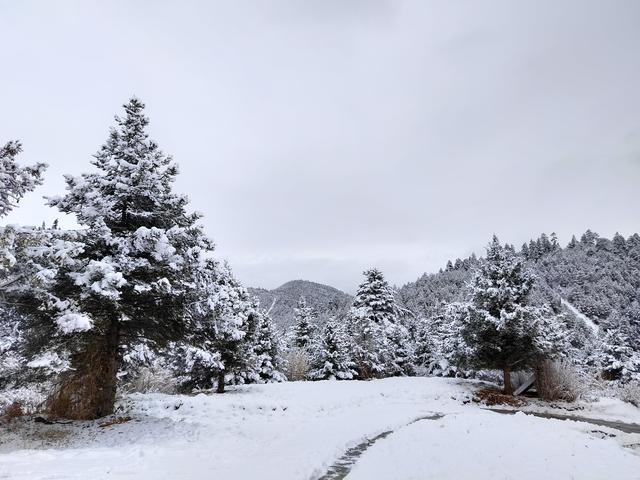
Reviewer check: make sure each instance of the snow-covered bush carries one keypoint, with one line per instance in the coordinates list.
(29, 398)
(296, 364)
(152, 380)
(561, 380)
(442, 368)
(13, 411)
(630, 393)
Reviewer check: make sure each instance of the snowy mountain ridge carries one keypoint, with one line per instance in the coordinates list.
(326, 301)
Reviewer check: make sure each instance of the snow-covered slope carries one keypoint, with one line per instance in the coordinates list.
(590, 323)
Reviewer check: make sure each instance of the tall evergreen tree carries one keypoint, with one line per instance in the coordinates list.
(616, 357)
(15, 268)
(304, 328)
(266, 350)
(216, 345)
(134, 276)
(501, 328)
(372, 315)
(401, 357)
(15, 182)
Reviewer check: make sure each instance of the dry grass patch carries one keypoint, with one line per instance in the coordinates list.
(13, 410)
(491, 396)
(115, 421)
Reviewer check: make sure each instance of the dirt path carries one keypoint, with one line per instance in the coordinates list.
(623, 427)
(341, 467)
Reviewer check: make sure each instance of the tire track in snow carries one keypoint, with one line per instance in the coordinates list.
(622, 426)
(341, 467)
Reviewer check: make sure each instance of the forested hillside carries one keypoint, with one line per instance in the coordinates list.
(600, 277)
(432, 291)
(326, 301)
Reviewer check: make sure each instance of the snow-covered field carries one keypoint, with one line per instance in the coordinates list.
(298, 430)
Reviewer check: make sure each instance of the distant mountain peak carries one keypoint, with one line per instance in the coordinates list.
(327, 301)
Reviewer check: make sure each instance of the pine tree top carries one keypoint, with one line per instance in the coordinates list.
(16, 181)
(502, 282)
(375, 298)
(133, 185)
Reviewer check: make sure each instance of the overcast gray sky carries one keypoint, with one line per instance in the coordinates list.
(323, 137)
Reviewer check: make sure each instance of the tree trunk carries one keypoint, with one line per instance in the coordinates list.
(89, 390)
(107, 382)
(220, 388)
(506, 374)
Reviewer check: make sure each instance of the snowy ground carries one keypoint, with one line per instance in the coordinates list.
(298, 430)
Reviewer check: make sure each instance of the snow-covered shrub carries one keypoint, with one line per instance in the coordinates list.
(30, 399)
(12, 411)
(442, 368)
(561, 380)
(152, 380)
(296, 364)
(630, 393)
(490, 376)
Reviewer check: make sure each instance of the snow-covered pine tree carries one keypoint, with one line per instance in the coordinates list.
(439, 348)
(501, 328)
(331, 359)
(266, 351)
(401, 349)
(134, 276)
(303, 329)
(573, 243)
(16, 181)
(425, 345)
(615, 357)
(234, 324)
(215, 345)
(372, 315)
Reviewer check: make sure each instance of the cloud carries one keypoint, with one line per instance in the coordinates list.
(319, 138)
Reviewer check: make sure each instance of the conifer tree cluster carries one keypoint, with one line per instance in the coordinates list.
(137, 286)
(138, 273)
(374, 340)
